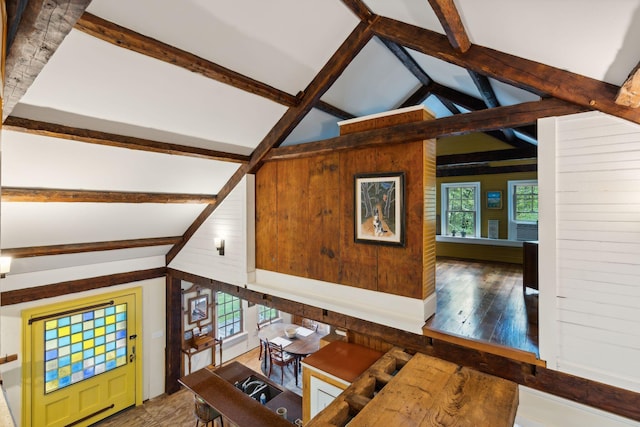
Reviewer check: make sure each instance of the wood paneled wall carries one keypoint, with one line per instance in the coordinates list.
(305, 218)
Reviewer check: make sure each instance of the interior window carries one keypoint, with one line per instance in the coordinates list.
(228, 314)
(523, 209)
(460, 206)
(266, 314)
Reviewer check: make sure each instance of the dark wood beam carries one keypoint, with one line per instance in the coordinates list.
(15, 9)
(487, 156)
(359, 9)
(128, 39)
(39, 195)
(472, 103)
(417, 97)
(408, 61)
(489, 96)
(75, 248)
(598, 395)
(334, 67)
(484, 170)
(513, 70)
(449, 18)
(36, 293)
(334, 111)
(629, 93)
(478, 121)
(54, 130)
(42, 27)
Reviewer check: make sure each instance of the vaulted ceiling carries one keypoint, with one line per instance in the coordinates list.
(126, 122)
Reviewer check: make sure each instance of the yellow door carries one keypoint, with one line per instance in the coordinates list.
(84, 360)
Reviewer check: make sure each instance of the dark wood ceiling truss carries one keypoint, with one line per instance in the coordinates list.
(51, 195)
(75, 248)
(54, 130)
(516, 71)
(451, 22)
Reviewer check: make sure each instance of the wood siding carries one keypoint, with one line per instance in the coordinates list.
(598, 254)
(305, 219)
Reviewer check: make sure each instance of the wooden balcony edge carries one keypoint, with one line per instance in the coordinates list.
(484, 346)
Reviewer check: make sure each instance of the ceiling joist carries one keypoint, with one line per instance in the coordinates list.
(50, 195)
(43, 25)
(75, 248)
(523, 73)
(54, 130)
(629, 93)
(451, 22)
(478, 121)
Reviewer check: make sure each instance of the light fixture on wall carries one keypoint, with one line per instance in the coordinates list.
(219, 243)
(5, 265)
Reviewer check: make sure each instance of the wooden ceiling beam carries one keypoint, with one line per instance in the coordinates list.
(451, 22)
(54, 130)
(42, 27)
(489, 97)
(513, 70)
(334, 111)
(477, 121)
(53, 195)
(334, 67)
(136, 42)
(416, 98)
(629, 93)
(360, 10)
(74, 248)
(408, 61)
(129, 39)
(487, 156)
(484, 170)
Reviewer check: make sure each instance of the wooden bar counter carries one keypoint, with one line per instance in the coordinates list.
(217, 388)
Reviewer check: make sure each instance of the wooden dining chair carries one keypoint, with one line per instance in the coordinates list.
(310, 324)
(277, 356)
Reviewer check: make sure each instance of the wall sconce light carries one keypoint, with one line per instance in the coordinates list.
(5, 265)
(219, 243)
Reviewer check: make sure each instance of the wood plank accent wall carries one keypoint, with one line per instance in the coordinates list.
(305, 216)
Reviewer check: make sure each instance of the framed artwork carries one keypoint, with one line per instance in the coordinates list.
(198, 308)
(379, 212)
(494, 199)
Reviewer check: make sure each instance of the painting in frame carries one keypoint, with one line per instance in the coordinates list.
(494, 199)
(198, 308)
(379, 214)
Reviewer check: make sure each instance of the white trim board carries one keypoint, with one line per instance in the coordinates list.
(407, 314)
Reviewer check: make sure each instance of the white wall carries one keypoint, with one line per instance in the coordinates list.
(590, 247)
(153, 323)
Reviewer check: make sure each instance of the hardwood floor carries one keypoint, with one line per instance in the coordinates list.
(485, 302)
(175, 410)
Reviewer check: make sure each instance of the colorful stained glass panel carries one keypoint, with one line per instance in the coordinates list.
(84, 345)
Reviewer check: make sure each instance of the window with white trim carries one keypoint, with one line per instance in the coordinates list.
(228, 315)
(266, 314)
(523, 209)
(460, 205)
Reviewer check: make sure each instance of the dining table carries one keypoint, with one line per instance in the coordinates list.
(304, 343)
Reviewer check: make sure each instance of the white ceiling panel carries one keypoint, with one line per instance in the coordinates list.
(282, 43)
(43, 224)
(598, 39)
(39, 161)
(316, 125)
(375, 81)
(93, 78)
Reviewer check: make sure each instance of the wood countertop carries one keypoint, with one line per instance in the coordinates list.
(420, 390)
(343, 360)
(217, 389)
